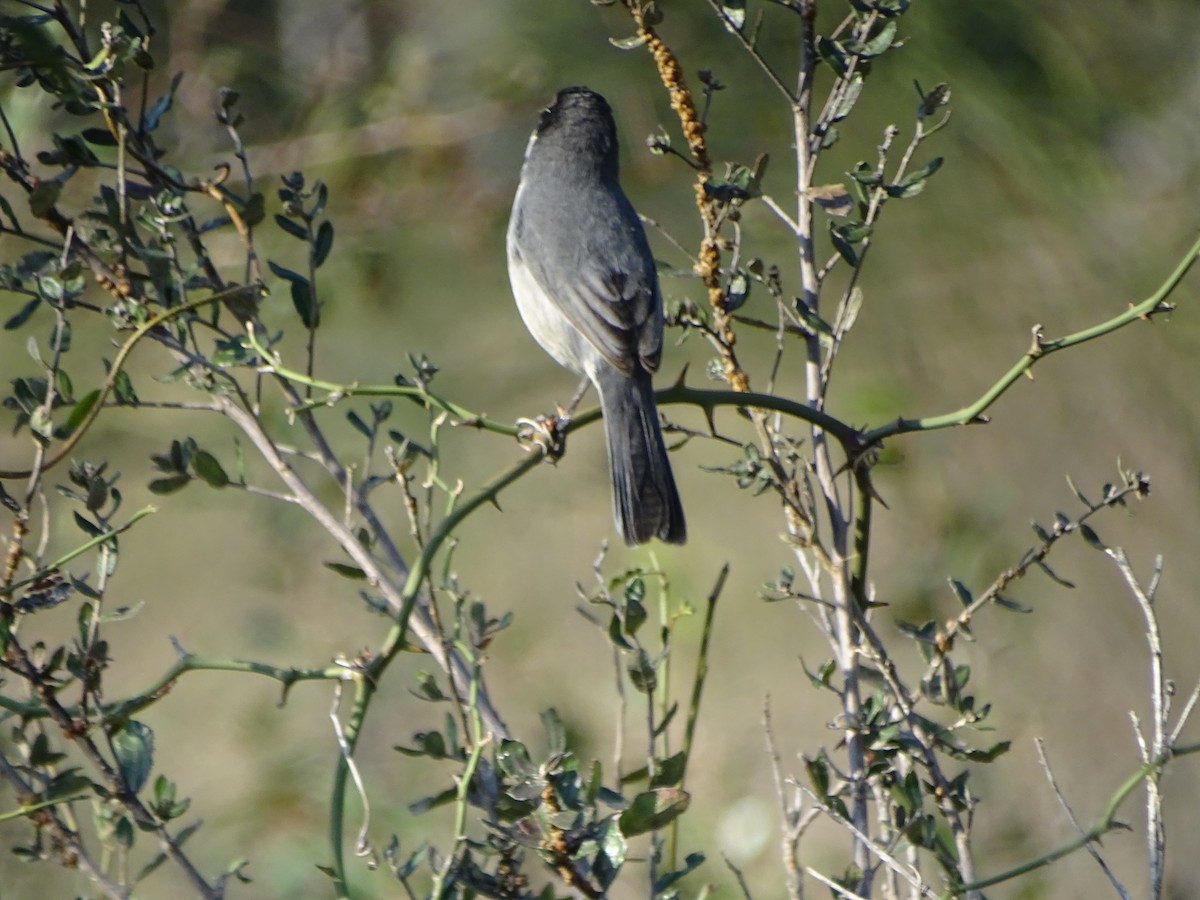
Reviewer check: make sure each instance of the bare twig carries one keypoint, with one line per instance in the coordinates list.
(1160, 701)
(1091, 848)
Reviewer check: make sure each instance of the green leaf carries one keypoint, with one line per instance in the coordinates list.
(183, 834)
(209, 469)
(40, 753)
(556, 733)
(594, 782)
(961, 592)
(849, 307)
(1063, 581)
(635, 589)
(120, 614)
(1008, 603)
(820, 678)
(97, 495)
(356, 420)
(982, 756)
(843, 247)
(610, 856)
(22, 315)
(43, 197)
(424, 805)
(133, 748)
(667, 718)
(907, 794)
(652, 810)
(818, 775)
(318, 207)
(926, 633)
(882, 42)
(814, 322)
(691, 861)
(100, 137)
(306, 304)
(513, 760)
(962, 675)
(162, 105)
(635, 616)
(51, 288)
(80, 411)
(88, 527)
(615, 629)
(323, 243)
(913, 183)
(292, 227)
(642, 672)
(123, 389)
(60, 337)
(854, 232)
(849, 97)
(832, 54)
(427, 687)
(1093, 539)
(937, 97)
(255, 210)
(285, 273)
(670, 771)
(1078, 493)
(7, 209)
(69, 781)
(163, 486)
(233, 352)
(924, 172)
(346, 571)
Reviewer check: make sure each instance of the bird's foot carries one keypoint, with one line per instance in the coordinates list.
(545, 432)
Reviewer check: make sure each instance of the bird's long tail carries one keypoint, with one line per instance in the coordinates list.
(645, 501)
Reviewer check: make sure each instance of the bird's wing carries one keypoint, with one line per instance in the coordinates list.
(606, 287)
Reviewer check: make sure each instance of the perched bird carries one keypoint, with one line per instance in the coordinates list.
(585, 285)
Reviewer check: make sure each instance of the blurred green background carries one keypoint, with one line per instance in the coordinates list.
(1069, 190)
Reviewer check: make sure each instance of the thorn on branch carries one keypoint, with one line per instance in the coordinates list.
(1038, 344)
(1160, 308)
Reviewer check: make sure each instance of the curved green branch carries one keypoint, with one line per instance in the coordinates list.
(364, 691)
(420, 569)
(679, 393)
(10, 589)
(335, 391)
(851, 439)
(22, 811)
(1103, 824)
(101, 394)
(394, 643)
(1152, 305)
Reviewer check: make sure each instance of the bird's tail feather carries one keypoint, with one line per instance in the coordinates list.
(646, 503)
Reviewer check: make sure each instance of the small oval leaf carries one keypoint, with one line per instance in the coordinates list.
(133, 747)
(653, 810)
(163, 486)
(209, 469)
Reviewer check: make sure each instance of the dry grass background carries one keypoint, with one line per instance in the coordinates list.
(1069, 191)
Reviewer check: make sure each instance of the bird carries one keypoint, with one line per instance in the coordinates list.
(587, 290)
